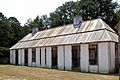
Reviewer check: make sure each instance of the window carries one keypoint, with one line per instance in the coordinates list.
(33, 55)
(93, 54)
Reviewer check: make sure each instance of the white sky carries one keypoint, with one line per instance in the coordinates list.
(25, 9)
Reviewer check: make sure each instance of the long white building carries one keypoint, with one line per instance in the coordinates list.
(88, 47)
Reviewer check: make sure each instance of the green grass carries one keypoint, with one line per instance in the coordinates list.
(12, 72)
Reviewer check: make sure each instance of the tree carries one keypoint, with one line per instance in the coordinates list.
(92, 9)
(88, 9)
(37, 22)
(118, 15)
(10, 31)
(63, 15)
(16, 33)
(45, 21)
(5, 31)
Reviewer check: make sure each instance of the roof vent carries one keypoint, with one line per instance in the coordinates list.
(34, 31)
(77, 21)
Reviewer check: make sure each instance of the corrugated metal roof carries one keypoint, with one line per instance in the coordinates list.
(89, 31)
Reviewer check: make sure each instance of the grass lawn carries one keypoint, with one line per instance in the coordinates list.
(11, 72)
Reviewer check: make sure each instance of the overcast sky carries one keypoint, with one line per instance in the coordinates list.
(25, 9)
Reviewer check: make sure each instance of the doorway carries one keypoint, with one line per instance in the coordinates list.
(76, 57)
(54, 57)
(116, 58)
(16, 57)
(26, 57)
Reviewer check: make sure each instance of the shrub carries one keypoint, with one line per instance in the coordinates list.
(4, 51)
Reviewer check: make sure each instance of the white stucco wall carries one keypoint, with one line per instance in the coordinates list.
(33, 64)
(22, 57)
(68, 57)
(43, 57)
(14, 57)
(11, 56)
(112, 57)
(48, 57)
(61, 57)
(37, 57)
(29, 57)
(84, 62)
(93, 68)
(103, 57)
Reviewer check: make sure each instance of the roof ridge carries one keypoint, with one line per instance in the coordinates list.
(66, 25)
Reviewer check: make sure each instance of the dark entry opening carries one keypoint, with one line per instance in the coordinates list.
(33, 54)
(16, 57)
(76, 57)
(116, 58)
(40, 56)
(45, 57)
(93, 54)
(54, 57)
(26, 57)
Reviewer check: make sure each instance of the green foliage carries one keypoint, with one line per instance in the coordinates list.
(37, 22)
(5, 31)
(11, 30)
(88, 9)
(118, 15)
(16, 33)
(4, 51)
(63, 15)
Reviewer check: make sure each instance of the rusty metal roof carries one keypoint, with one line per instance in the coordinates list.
(90, 31)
